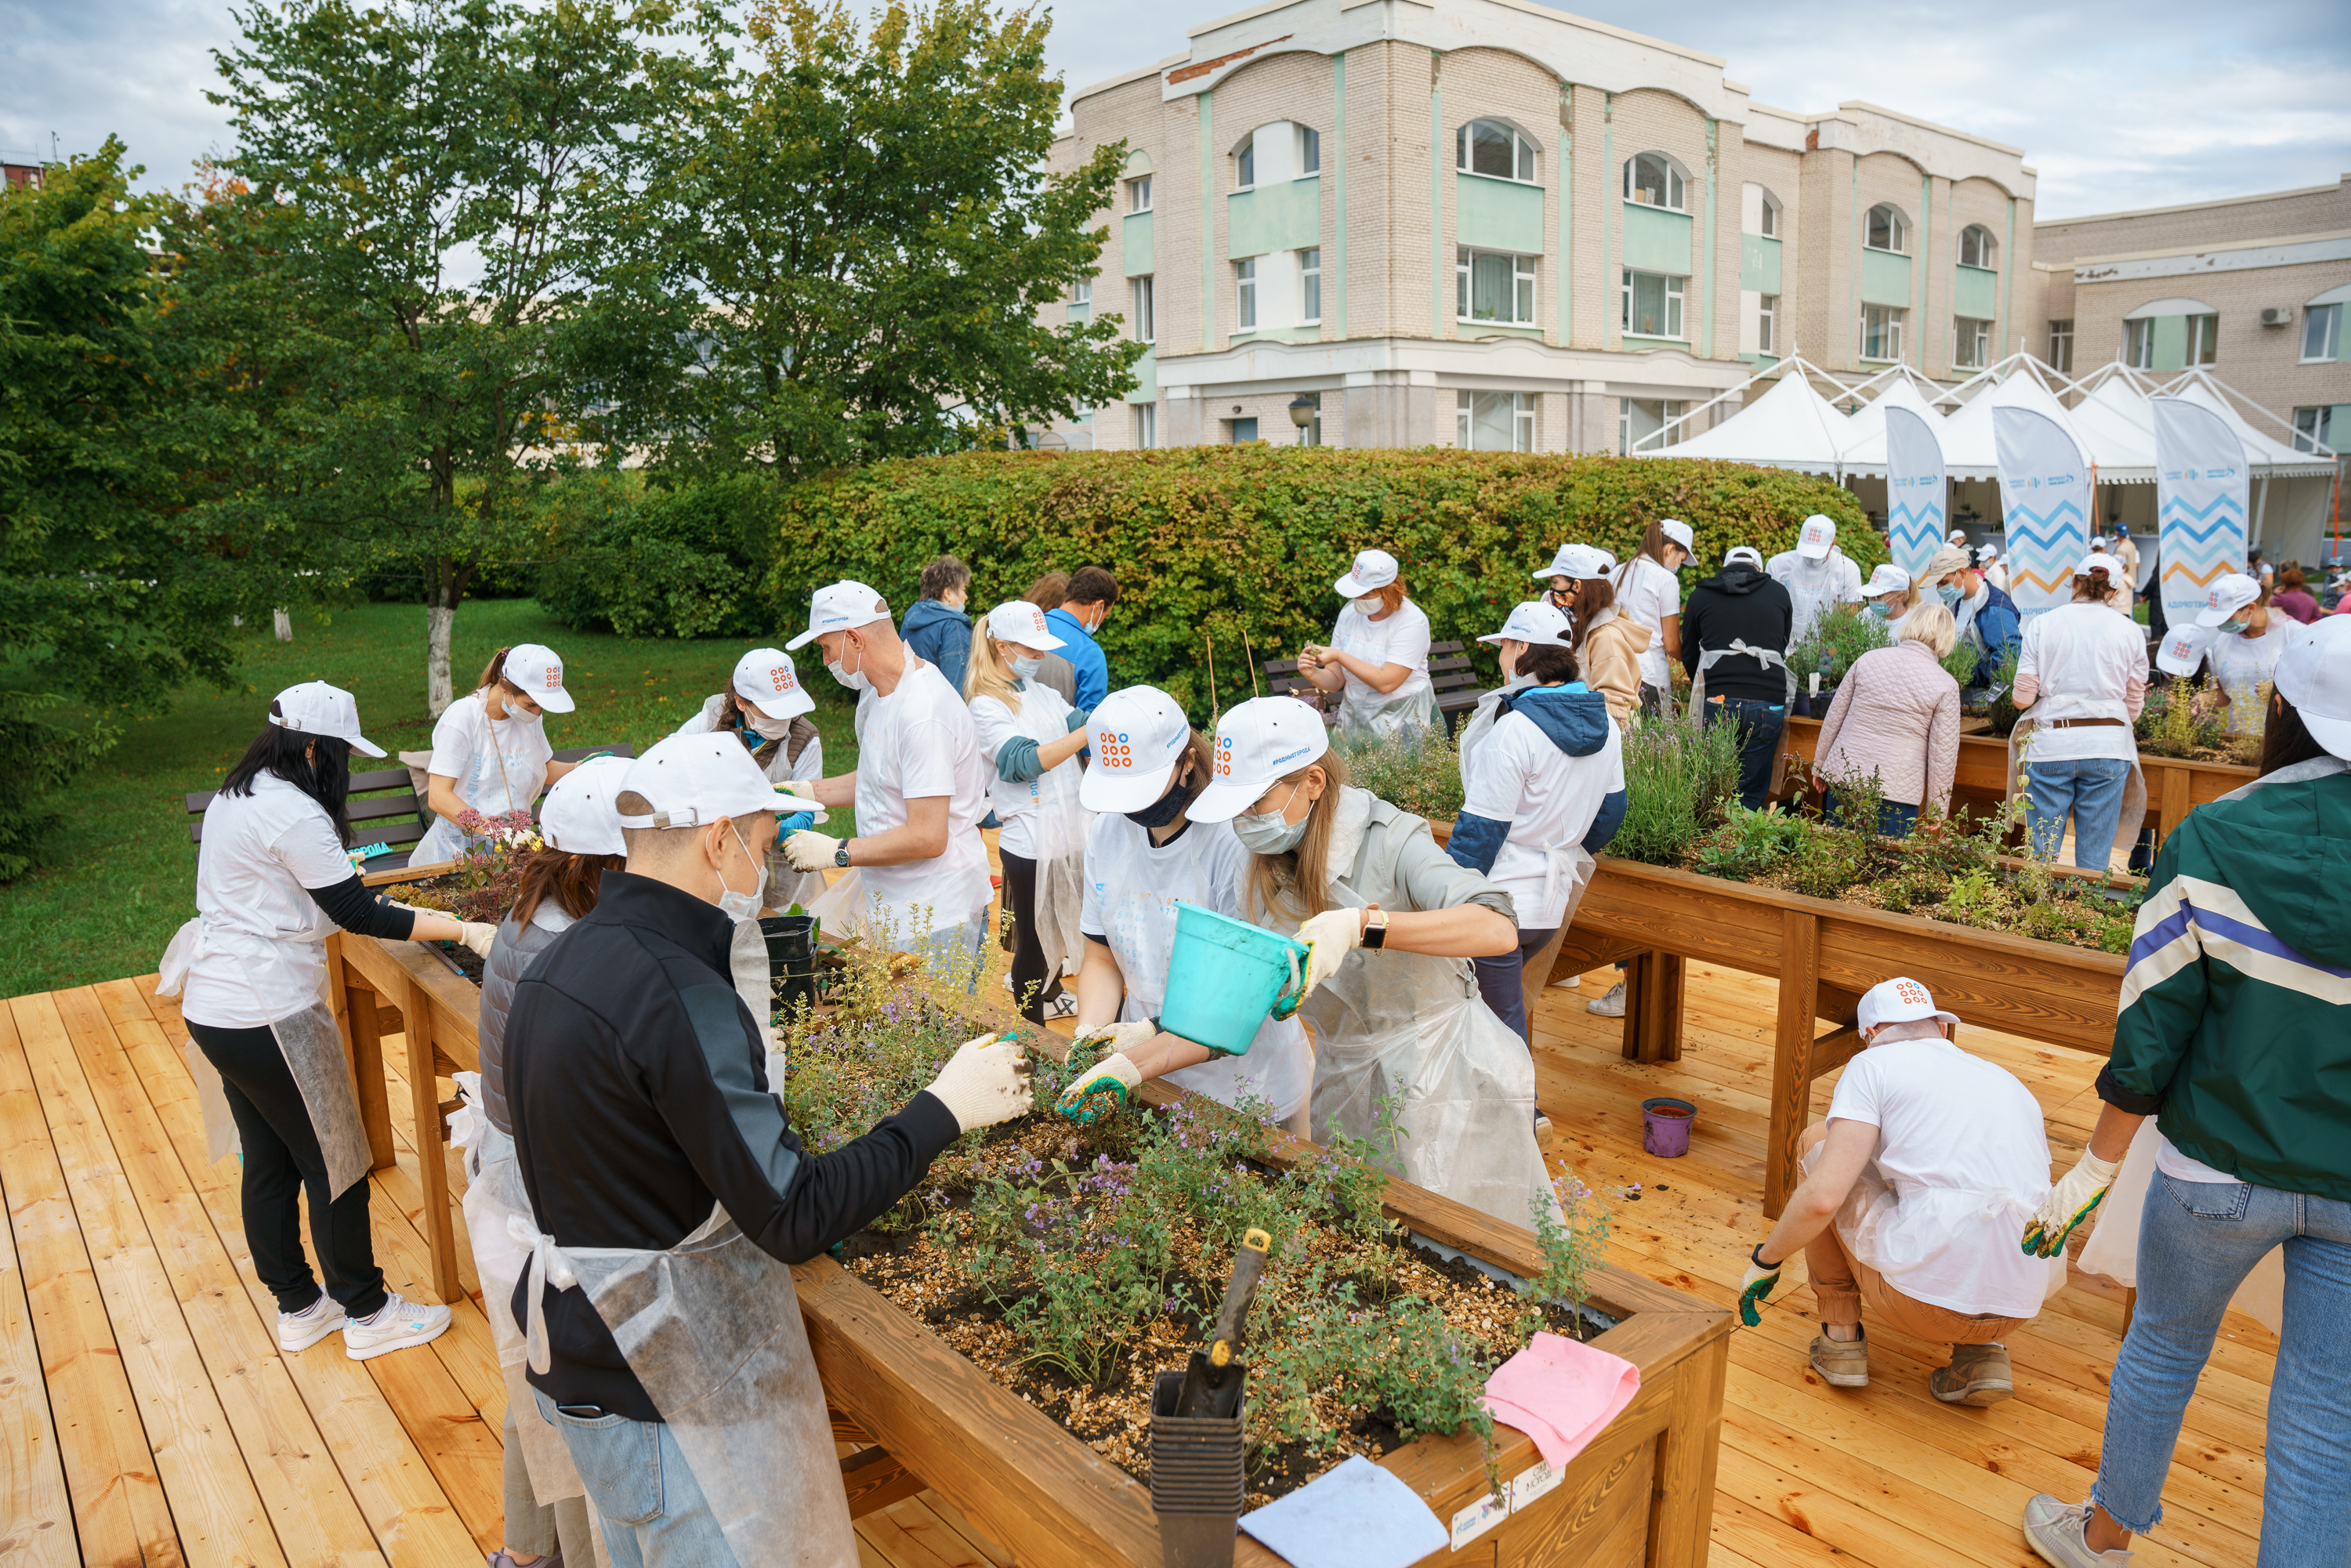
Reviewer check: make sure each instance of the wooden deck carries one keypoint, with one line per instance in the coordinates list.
(147, 1417)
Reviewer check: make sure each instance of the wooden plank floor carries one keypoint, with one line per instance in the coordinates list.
(147, 1416)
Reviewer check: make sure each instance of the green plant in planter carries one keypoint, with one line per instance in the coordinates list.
(2003, 703)
(2184, 718)
(1751, 842)
(1680, 773)
(1840, 637)
(1416, 770)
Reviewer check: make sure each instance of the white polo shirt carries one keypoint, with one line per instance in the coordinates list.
(919, 742)
(263, 956)
(2086, 658)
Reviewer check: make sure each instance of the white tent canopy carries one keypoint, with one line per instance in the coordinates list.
(1864, 448)
(2265, 456)
(1968, 450)
(1790, 426)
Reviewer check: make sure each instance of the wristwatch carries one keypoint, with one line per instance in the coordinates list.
(841, 855)
(1376, 927)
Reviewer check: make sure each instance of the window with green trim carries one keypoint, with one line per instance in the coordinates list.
(1493, 286)
(1652, 304)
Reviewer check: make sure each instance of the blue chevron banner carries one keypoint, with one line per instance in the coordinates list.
(2200, 487)
(1913, 490)
(2044, 501)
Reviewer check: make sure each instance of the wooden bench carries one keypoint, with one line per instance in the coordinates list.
(387, 796)
(1448, 675)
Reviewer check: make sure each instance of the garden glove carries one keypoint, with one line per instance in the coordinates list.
(787, 826)
(985, 1082)
(1100, 1091)
(1119, 1037)
(1761, 1280)
(477, 935)
(808, 849)
(2069, 1203)
(1330, 937)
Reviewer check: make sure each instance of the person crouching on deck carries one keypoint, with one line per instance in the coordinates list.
(1910, 1201)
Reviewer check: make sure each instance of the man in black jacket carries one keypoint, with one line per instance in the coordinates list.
(637, 1080)
(1740, 605)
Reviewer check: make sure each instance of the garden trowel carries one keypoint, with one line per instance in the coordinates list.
(1213, 1382)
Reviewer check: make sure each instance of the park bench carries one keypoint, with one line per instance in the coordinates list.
(1448, 675)
(385, 808)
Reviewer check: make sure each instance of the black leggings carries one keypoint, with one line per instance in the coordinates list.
(1030, 974)
(281, 1158)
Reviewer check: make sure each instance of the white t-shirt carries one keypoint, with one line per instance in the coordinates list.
(1962, 1144)
(1043, 716)
(2241, 664)
(1133, 886)
(499, 765)
(263, 956)
(781, 768)
(1401, 637)
(919, 742)
(1520, 775)
(1647, 593)
(2085, 657)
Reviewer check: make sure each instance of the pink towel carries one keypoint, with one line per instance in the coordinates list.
(1560, 1393)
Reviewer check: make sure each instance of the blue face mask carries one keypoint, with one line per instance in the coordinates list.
(2236, 628)
(1028, 669)
(1881, 607)
(1950, 595)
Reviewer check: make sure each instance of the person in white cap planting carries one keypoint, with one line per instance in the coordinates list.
(2081, 680)
(1531, 622)
(1985, 614)
(1912, 1189)
(766, 707)
(1609, 644)
(1031, 736)
(490, 755)
(1889, 596)
(1818, 576)
(669, 1192)
(1145, 855)
(1391, 925)
(1378, 653)
(1739, 623)
(1649, 594)
(2247, 638)
(920, 787)
(2235, 1035)
(273, 880)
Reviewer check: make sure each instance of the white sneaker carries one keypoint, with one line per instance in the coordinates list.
(1572, 983)
(1062, 1005)
(2056, 1530)
(396, 1325)
(1611, 1005)
(300, 1331)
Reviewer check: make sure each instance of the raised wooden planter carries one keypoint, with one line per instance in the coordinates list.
(1641, 1494)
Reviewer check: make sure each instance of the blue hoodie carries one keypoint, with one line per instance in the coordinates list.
(940, 636)
(1575, 719)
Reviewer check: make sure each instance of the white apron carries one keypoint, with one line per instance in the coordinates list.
(1381, 717)
(1060, 823)
(1813, 591)
(501, 779)
(1739, 646)
(712, 1329)
(1482, 719)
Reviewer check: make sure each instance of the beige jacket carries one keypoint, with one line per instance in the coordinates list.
(1611, 661)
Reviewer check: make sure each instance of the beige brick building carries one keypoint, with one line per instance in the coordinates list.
(1489, 222)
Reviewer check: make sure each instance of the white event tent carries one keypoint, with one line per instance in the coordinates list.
(1790, 426)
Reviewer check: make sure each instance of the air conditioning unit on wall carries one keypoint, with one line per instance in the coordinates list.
(2277, 315)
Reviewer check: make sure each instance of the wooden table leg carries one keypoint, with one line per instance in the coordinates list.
(367, 1070)
(432, 1173)
(1681, 1507)
(1791, 1054)
(1652, 1007)
(2174, 806)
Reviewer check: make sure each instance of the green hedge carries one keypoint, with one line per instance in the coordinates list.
(1213, 541)
(657, 561)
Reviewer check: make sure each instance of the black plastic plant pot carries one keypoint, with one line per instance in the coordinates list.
(1197, 1475)
(791, 957)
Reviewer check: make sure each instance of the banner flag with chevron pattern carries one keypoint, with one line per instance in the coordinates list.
(1913, 490)
(2201, 486)
(2045, 502)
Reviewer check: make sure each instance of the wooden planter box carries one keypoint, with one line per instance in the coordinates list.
(1641, 1494)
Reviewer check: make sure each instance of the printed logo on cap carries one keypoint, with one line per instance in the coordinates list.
(554, 677)
(1111, 750)
(1223, 766)
(1911, 994)
(780, 678)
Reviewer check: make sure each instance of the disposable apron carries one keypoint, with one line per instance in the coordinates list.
(1050, 801)
(748, 965)
(1812, 591)
(1894, 1231)
(1485, 715)
(504, 776)
(711, 1327)
(493, 1196)
(2241, 667)
(1382, 716)
(1739, 647)
(2134, 811)
(1139, 901)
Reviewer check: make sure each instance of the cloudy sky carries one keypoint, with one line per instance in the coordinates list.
(2119, 106)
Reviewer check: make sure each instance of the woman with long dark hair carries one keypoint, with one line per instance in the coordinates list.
(273, 879)
(1648, 592)
(1609, 645)
(490, 755)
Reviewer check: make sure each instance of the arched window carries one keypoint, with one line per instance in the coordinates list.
(1762, 213)
(1494, 147)
(1655, 180)
(1282, 150)
(1886, 229)
(1977, 247)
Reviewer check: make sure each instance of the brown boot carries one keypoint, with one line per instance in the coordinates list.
(1978, 1374)
(1842, 1363)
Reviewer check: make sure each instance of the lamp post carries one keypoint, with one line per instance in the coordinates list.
(1303, 409)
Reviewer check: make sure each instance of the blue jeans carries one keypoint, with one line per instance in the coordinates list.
(1894, 820)
(1760, 725)
(1502, 980)
(2090, 791)
(655, 1515)
(2197, 1242)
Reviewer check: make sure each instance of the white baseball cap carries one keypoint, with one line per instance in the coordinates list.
(1814, 540)
(579, 816)
(2097, 543)
(692, 780)
(1582, 561)
(764, 678)
(2226, 597)
(1260, 742)
(1018, 620)
(534, 670)
(1139, 736)
(1956, 537)
(1678, 531)
(1373, 569)
(839, 607)
(2313, 674)
(314, 708)
(2183, 649)
(1987, 552)
(1747, 553)
(1532, 622)
(1898, 1000)
(1887, 578)
(2098, 559)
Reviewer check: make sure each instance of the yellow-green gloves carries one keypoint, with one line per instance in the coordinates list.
(1761, 1280)
(2069, 1203)
(1101, 1090)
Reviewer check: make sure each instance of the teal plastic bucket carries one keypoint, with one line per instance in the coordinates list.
(1225, 976)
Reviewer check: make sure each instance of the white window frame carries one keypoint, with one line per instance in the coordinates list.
(1081, 301)
(1767, 311)
(1310, 151)
(1669, 410)
(1146, 426)
(1676, 293)
(2061, 344)
(1138, 193)
(1525, 156)
(1245, 295)
(1523, 419)
(2138, 343)
(2203, 340)
(1146, 314)
(1898, 230)
(1523, 287)
(2314, 428)
(1677, 182)
(1245, 166)
(1970, 343)
(1894, 320)
(2328, 321)
(1987, 251)
(1310, 286)
(1767, 225)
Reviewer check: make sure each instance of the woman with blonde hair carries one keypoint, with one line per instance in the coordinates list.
(490, 755)
(1378, 653)
(2081, 680)
(1609, 645)
(1896, 716)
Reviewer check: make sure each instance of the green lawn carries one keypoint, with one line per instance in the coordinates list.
(118, 875)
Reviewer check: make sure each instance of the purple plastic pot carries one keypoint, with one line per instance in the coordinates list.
(1665, 1127)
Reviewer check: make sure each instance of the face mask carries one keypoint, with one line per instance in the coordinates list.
(771, 728)
(1028, 669)
(853, 679)
(1881, 609)
(740, 906)
(1272, 832)
(1949, 595)
(1369, 604)
(1163, 811)
(2236, 628)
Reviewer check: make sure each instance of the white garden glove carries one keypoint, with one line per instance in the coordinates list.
(1119, 1037)
(986, 1082)
(808, 849)
(477, 935)
(1760, 1280)
(2069, 1203)
(1097, 1094)
(1329, 937)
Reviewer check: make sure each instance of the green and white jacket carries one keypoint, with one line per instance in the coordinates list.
(2236, 1008)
